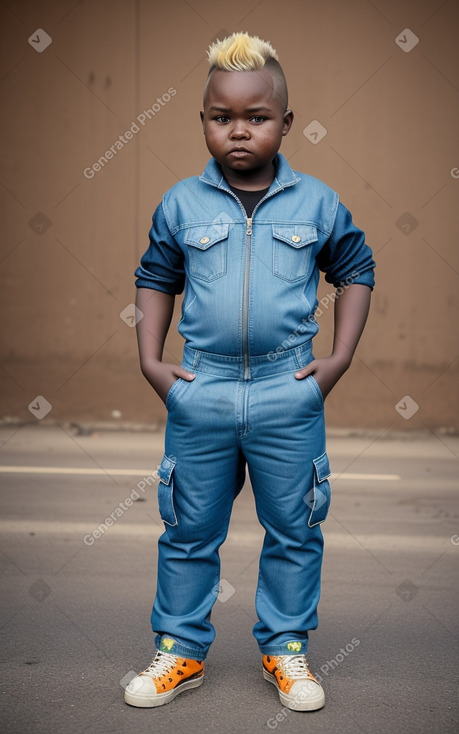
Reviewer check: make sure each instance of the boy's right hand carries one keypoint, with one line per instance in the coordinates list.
(162, 375)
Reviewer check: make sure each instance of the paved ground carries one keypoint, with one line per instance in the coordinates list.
(75, 607)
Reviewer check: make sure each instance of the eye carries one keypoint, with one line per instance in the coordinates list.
(257, 119)
(222, 118)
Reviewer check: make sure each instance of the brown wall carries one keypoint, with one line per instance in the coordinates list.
(390, 151)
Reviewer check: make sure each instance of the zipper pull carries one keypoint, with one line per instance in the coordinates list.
(249, 226)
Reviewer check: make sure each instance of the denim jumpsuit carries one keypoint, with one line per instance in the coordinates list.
(250, 293)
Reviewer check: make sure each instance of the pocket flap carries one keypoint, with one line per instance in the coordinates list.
(166, 468)
(320, 494)
(322, 467)
(205, 236)
(295, 235)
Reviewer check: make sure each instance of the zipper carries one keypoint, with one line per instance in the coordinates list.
(245, 295)
(245, 300)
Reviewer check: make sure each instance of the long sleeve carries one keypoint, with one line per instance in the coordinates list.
(346, 258)
(161, 266)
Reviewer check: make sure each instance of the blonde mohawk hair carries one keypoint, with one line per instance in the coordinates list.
(240, 52)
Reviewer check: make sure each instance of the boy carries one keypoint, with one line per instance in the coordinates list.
(246, 241)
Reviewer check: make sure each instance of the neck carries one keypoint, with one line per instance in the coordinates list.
(254, 180)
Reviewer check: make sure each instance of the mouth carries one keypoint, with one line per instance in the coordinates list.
(240, 152)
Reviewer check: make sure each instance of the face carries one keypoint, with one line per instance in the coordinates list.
(243, 124)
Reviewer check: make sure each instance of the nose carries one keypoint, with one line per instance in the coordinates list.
(240, 131)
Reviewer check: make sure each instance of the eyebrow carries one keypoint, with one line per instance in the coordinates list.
(220, 108)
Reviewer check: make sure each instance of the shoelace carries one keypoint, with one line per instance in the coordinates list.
(162, 664)
(293, 666)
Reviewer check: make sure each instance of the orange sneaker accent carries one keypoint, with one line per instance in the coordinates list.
(184, 669)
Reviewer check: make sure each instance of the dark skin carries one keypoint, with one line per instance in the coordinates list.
(243, 123)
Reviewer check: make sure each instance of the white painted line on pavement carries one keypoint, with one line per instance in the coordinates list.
(143, 472)
(72, 470)
(366, 477)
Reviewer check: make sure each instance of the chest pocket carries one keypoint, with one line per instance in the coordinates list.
(208, 250)
(291, 254)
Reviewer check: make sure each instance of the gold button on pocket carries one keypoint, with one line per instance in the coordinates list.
(296, 238)
(204, 240)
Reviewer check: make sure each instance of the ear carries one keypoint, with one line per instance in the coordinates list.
(201, 115)
(288, 120)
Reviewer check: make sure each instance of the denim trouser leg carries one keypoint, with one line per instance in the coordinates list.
(287, 434)
(216, 424)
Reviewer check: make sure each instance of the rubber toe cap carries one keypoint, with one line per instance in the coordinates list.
(306, 695)
(142, 684)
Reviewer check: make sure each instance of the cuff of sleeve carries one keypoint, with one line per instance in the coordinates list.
(366, 278)
(168, 288)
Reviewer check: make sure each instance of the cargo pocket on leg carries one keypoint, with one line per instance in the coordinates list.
(166, 490)
(318, 498)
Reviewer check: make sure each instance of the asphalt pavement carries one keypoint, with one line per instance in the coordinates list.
(80, 524)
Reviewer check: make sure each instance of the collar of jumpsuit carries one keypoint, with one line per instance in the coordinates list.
(284, 176)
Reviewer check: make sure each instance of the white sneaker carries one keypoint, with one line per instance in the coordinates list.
(298, 689)
(166, 677)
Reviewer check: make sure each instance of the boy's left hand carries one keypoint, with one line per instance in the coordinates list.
(327, 371)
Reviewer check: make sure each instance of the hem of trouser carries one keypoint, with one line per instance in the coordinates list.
(182, 651)
(277, 650)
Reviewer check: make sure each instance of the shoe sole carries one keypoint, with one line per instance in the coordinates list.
(149, 701)
(313, 704)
